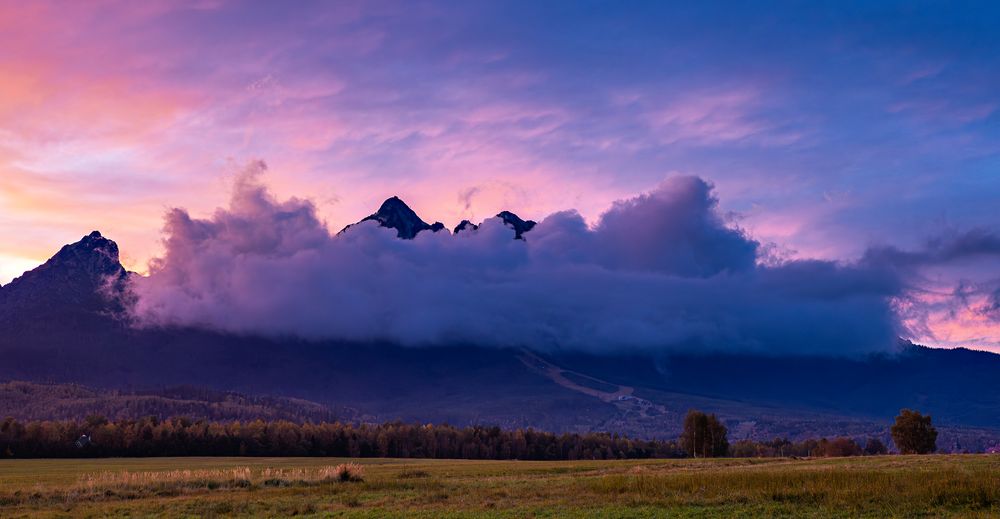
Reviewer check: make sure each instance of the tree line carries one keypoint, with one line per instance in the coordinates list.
(98, 437)
(704, 435)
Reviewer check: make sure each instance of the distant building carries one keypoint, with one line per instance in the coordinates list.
(82, 441)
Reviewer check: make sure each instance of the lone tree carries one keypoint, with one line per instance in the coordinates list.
(913, 433)
(704, 435)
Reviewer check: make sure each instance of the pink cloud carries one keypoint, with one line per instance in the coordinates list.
(935, 322)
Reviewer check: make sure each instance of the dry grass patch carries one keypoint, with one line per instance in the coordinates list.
(347, 472)
(215, 478)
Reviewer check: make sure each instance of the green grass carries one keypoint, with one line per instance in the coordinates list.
(887, 486)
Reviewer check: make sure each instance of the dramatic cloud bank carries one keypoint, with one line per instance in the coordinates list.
(953, 287)
(658, 271)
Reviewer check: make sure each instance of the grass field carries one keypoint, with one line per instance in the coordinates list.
(885, 486)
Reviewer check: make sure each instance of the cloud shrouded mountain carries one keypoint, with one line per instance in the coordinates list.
(658, 271)
(625, 306)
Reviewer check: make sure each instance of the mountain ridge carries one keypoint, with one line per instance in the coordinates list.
(395, 214)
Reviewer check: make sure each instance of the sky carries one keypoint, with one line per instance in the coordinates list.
(847, 132)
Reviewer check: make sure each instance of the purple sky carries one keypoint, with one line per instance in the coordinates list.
(825, 130)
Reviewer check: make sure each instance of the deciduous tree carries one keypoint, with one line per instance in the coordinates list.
(913, 433)
(704, 435)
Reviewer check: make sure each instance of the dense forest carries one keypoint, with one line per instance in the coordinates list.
(98, 437)
(151, 436)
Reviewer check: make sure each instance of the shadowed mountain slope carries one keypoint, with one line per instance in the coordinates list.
(70, 289)
(33, 401)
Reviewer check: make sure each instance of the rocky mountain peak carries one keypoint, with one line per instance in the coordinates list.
(515, 222)
(395, 214)
(465, 225)
(75, 279)
(93, 255)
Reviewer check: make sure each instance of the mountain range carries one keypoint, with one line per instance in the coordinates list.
(67, 322)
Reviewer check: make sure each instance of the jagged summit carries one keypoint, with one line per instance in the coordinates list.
(394, 204)
(94, 256)
(71, 280)
(515, 222)
(395, 214)
(465, 225)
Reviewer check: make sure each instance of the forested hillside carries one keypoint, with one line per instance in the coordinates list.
(32, 401)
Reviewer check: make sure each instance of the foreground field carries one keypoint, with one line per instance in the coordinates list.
(887, 486)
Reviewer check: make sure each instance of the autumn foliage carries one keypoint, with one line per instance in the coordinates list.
(913, 433)
(185, 437)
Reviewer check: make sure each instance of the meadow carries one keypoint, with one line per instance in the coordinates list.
(875, 486)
